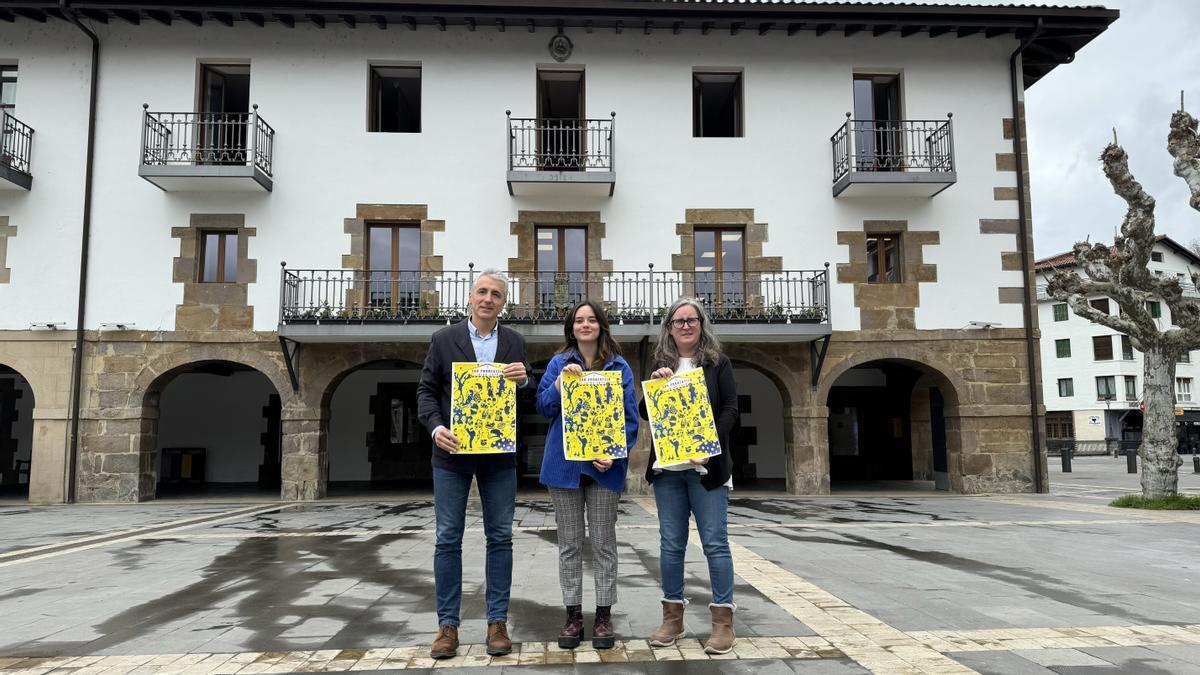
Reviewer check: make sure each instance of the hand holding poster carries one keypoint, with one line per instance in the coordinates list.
(593, 411)
(483, 409)
(681, 420)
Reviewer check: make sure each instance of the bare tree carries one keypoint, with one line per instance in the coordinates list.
(1120, 272)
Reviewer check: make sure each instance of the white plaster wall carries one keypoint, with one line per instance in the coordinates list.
(312, 88)
(351, 419)
(766, 415)
(222, 414)
(23, 428)
(1084, 369)
(52, 97)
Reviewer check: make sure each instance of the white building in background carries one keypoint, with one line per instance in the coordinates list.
(1092, 376)
(286, 200)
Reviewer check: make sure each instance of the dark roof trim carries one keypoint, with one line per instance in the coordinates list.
(1066, 29)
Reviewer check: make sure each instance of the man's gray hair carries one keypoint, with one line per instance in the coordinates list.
(493, 273)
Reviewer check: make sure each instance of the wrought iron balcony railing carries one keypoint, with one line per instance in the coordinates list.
(207, 139)
(893, 145)
(560, 144)
(356, 296)
(16, 143)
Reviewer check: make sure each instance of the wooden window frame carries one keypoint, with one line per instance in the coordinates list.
(1180, 393)
(1106, 379)
(1061, 311)
(1063, 423)
(1131, 395)
(881, 257)
(1096, 340)
(373, 122)
(562, 281)
(394, 285)
(718, 271)
(1154, 307)
(1101, 305)
(1126, 348)
(697, 114)
(222, 253)
(1059, 352)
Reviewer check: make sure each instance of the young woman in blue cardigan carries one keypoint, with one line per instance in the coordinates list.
(577, 487)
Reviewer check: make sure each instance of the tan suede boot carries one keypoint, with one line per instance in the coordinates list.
(722, 638)
(672, 625)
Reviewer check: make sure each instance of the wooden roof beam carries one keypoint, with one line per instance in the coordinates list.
(129, 16)
(350, 20)
(677, 28)
(736, 27)
(648, 27)
(852, 28)
(7, 16)
(470, 22)
(32, 14)
(380, 21)
(765, 27)
(967, 31)
(409, 21)
(440, 22)
(500, 25)
(706, 27)
(882, 30)
(823, 28)
(909, 31)
(794, 28)
(194, 18)
(935, 31)
(532, 26)
(996, 31)
(256, 19)
(162, 17)
(286, 19)
(223, 18)
(99, 16)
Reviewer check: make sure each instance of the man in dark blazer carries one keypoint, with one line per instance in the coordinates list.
(480, 338)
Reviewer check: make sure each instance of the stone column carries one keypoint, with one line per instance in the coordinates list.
(49, 462)
(806, 445)
(305, 467)
(639, 459)
(118, 461)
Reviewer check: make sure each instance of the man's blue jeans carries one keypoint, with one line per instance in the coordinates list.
(498, 491)
(678, 495)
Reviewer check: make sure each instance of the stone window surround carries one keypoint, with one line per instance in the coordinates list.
(356, 227)
(210, 305)
(6, 232)
(887, 305)
(525, 229)
(755, 235)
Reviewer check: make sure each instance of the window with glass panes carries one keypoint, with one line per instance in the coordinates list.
(1060, 425)
(720, 266)
(1060, 312)
(1102, 348)
(1155, 309)
(1131, 388)
(1183, 389)
(395, 99)
(1062, 348)
(1185, 357)
(393, 265)
(1106, 388)
(883, 259)
(561, 265)
(1066, 387)
(8, 89)
(218, 256)
(1126, 348)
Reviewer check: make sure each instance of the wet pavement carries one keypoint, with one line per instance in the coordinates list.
(846, 584)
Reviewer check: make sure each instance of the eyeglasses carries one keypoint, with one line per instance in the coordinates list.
(690, 322)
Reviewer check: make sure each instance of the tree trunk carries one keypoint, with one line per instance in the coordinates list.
(1159, 448)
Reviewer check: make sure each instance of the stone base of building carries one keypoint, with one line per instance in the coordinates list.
(967, 402)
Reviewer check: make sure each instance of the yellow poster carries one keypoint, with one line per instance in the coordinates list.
(681, 418)
(593, 412)
(483, 409)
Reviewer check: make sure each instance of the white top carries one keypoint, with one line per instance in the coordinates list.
(687, 365)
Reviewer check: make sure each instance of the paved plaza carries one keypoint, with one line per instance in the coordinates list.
(853, 583)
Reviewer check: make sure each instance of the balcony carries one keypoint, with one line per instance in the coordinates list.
(16, 144)
(574, 152)
(357, 306)
(220, 152)
(902, 158)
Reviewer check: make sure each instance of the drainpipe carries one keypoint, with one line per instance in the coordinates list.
(1039, 481)
(85, 237)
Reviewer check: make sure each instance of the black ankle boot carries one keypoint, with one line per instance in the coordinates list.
(602, 631)
(572, 631)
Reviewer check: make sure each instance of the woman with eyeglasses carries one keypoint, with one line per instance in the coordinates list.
(699, 488)
(579, 486)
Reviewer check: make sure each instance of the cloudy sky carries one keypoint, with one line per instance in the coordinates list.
(1129, 78)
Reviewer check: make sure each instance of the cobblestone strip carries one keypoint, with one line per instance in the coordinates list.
(1146, 516)
(1007, 639)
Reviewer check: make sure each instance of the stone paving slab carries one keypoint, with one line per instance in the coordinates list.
(29, 526)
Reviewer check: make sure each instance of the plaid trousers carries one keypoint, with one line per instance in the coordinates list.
(601, 506)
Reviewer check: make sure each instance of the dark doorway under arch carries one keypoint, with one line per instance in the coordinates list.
(16, 435)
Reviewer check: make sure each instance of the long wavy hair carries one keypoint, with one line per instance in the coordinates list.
(606, 346)
(708, 349)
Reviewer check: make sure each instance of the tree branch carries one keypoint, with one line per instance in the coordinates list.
(1074, 290)
(1132, 253)
(1184, 146)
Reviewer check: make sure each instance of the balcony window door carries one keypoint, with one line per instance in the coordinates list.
(878, 135)
(561, 266)
(8, 89)
(562, 144)
(224, 114)
(393, 266)
(720, 269)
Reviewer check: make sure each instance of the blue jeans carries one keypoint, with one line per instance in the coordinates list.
(498, 491)
(678, 495)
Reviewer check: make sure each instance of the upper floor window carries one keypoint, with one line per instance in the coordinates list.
(1156, 256)
(883, 258)
(561, 265)
(1100, 305)
(1062, 348)
(218, 256)
(1126, 348)
(1066, 388)
(393, 264)
(720, 265)
(1185, 357)
(395, 99)
(1060, 312)
(8, 89)
(1155, 309)
(1102, 348)
(1131, 388)
(1183, 389)
(1106, 388)
(717, 109)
